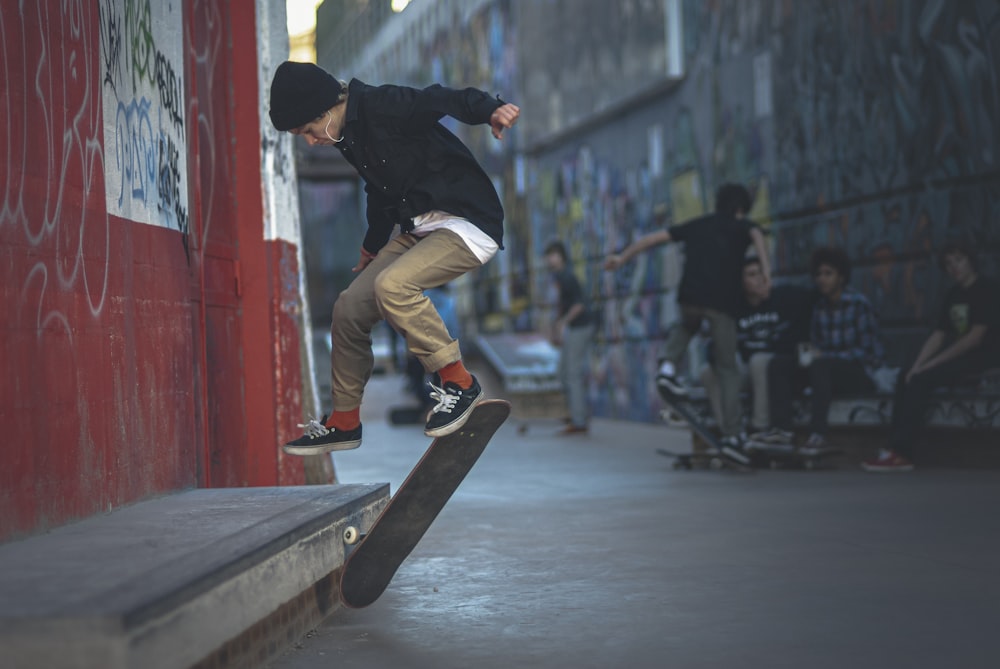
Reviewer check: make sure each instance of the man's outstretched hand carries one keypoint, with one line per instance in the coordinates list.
(504, 116)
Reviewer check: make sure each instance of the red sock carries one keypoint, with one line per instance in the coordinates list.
(344, 420)
(456, 373)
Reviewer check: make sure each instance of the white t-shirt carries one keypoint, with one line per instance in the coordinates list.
(480, 243)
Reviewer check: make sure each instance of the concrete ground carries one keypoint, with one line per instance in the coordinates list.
(592, 552)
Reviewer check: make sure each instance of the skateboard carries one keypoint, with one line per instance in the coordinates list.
(377, 555)
(787, 456)
(715, 448)
(696, 459)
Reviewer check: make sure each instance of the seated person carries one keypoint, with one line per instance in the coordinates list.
(844, 349)
(770, 320)
(966, 339)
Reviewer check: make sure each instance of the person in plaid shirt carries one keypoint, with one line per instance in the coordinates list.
(845, 348)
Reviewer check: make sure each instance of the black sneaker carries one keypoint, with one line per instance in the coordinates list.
(453, 408)
(320, 439)
(735, 449)
(670, 384)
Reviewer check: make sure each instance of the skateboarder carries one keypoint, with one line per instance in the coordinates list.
(418, 176)
(714, 248)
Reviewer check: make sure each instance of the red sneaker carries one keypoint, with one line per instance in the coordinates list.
(888, 461)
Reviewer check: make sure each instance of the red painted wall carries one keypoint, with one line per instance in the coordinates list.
(138, 359)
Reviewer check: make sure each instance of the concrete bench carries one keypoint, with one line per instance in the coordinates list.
(973, 402)
(966, 416)
(208, 577)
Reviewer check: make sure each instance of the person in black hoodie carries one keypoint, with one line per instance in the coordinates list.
(421, 177)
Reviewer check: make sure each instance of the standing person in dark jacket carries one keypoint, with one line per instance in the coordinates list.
(710, 290)
(965, 340)
(572, 331)
(418, 176)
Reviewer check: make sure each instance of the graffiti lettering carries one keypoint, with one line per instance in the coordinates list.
(139, 38)
(135, 151)
(171, 202)
(170, 90)
(111, 47)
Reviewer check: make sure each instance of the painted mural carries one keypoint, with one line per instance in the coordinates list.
(870, 125)
(143, 92)
(97, 341)
(123, 338)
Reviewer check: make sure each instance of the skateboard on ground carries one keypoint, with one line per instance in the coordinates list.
(787, 456)
(715, 454)
(704, 459)
(378, 554)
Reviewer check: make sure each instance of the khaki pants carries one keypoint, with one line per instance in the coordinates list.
(754, 375)
(392, 288)
(722, 328)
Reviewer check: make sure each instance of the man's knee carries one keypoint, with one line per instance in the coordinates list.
(345, 306)
(390, 288)
(759, 363)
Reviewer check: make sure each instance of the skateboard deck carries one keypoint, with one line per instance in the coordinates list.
(715, 450)
(696, 459)
(371, 565)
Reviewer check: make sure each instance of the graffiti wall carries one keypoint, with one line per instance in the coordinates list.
(120, 259)
(98, 346)
(142, 91)
(869, 125)
(872, 124)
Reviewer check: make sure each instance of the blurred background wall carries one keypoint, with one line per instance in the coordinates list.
(869, 124)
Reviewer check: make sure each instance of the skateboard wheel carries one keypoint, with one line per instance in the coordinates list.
(351, 535)
(715, 463)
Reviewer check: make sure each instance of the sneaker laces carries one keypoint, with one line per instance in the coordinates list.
(446, 401)
(315, 429)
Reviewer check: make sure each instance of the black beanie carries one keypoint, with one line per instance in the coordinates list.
(301, 92)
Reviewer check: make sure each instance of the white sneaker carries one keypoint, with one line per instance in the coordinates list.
(667, 381)
(814, 444)
(773, 435)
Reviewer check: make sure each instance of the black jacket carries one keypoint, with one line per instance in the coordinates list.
(411, 163)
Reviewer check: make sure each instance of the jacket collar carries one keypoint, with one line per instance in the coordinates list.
(354, 90)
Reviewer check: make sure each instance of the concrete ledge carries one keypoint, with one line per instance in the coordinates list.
(173, 582)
